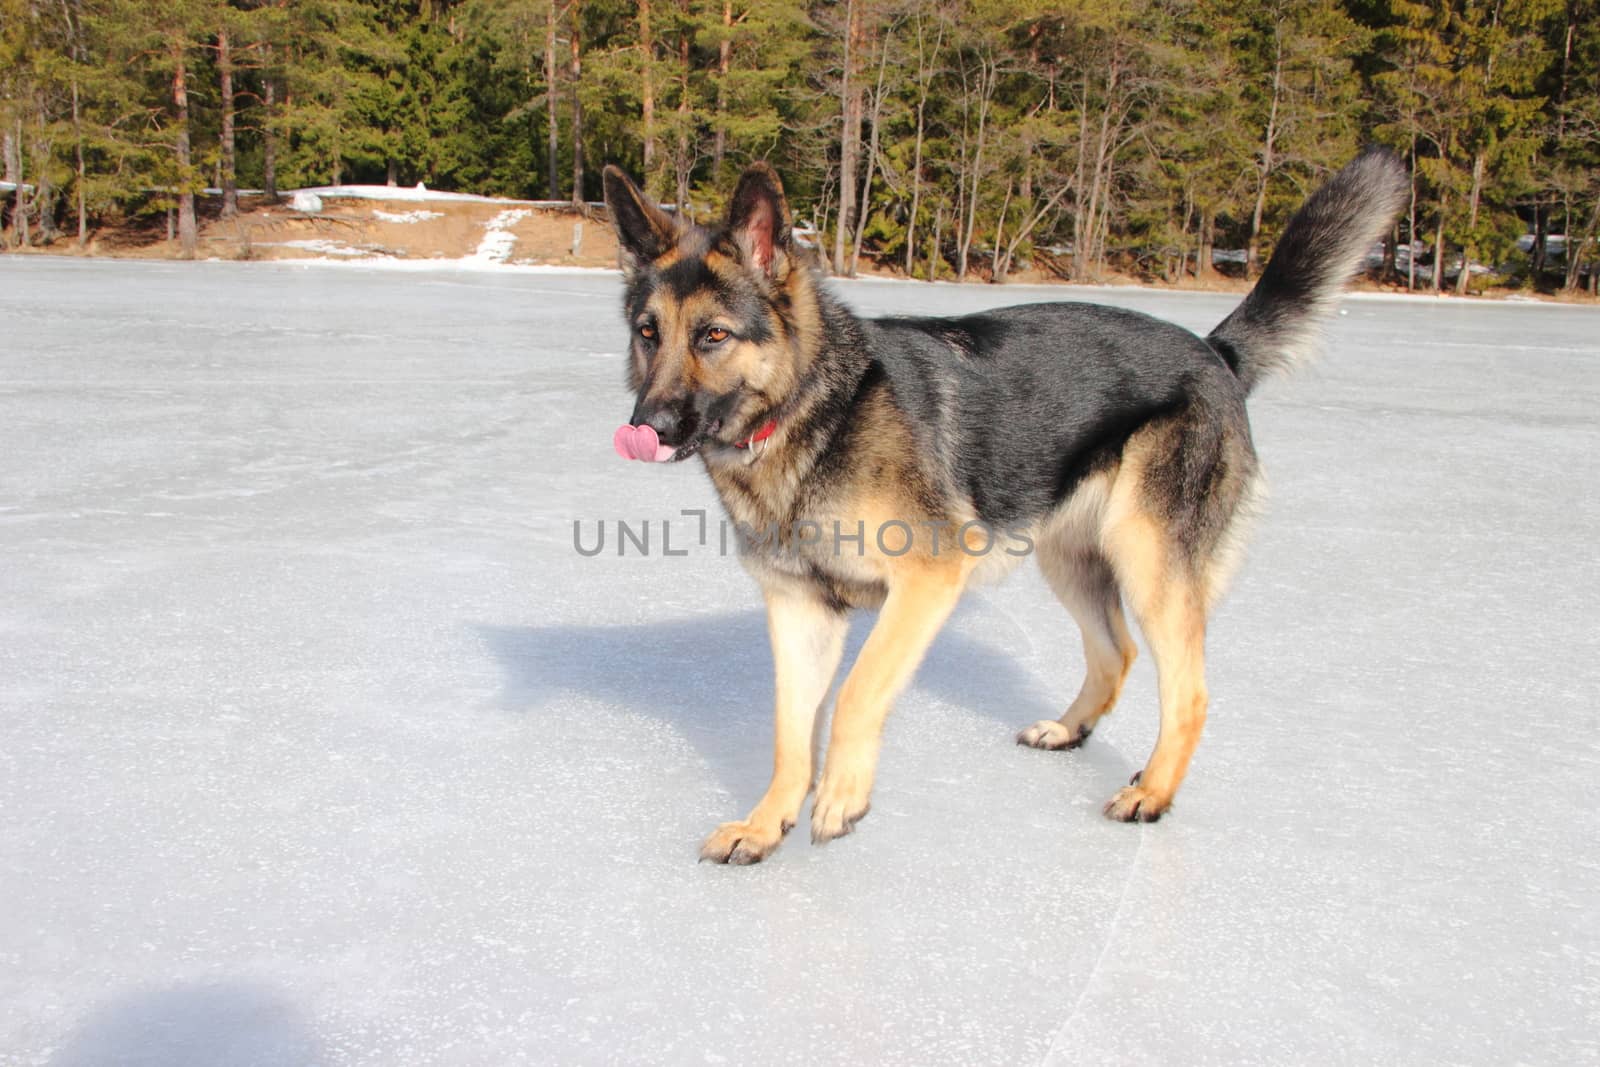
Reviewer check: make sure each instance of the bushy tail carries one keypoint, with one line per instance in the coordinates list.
(1277, 325)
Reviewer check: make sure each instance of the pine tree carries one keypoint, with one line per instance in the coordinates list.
(1499, 56)
(1574, 142)
(1300, 97)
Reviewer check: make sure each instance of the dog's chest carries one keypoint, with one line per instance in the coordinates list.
(802, 536)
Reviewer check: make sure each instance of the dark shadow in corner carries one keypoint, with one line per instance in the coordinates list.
(237, 1023)
(711, 677)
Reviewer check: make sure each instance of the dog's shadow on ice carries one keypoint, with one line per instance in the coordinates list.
(196, 1024)
(711, 677)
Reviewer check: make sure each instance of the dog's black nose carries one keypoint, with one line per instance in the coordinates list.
(663, 420)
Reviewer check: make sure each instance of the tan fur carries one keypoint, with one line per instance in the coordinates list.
(921, 596)
(807, 642)
(1102, 545)
(1169, 600)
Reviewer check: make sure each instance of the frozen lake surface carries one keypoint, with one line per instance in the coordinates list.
(320, 744)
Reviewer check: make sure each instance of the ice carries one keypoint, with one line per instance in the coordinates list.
(320, 743)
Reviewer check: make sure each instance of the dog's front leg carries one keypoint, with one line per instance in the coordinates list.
(807, 641)
(920, 600)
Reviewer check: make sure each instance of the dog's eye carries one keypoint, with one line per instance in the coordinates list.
(648, 332)
(716, 335)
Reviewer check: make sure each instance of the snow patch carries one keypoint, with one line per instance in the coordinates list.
(439, 264)
(420, 215)
(386, 192)
(318, 244)
(498, 240)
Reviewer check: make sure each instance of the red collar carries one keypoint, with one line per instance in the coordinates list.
(760, 435)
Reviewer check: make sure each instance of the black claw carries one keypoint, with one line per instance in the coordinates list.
(1137, 777)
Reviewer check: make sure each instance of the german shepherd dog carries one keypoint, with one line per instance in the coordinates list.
(1115, 444)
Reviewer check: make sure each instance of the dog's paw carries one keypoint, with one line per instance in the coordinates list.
(1050, 734)
(1134, 803)
(743, 843)
(841, 802)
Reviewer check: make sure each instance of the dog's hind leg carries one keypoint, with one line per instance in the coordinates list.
(807, 642)
(920, 599)
(1170, 606)
(1083, 582)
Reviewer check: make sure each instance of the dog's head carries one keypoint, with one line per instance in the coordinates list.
(713, 313)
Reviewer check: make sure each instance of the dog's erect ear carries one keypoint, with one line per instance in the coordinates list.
(644, 231)
(758, 218)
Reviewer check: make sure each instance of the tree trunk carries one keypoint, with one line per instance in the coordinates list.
(44, 191)
(1078, 249)
(916, 157)
(1469, 247)
(822, 218)
(1099, 188)
(724, 51)
(647, 57)
(849, 139)
(1102, 236)
(12, 151)
(269, 135)
(1541, 227)
(986, 80)
(958, 219)
(44, 205)
(1183, 234)
(228, 153)
(1252, 262)
(576, 72)
(872, 159)
(933, 243)
(1577, 250)
(998, 274)
(553, 125)
(187, 238)
(1026, 228)
(82, 193)
(1411, 225)
(75, 54)
(1086, 254)
(1438, 249)
(682, 164)
(1568, 275)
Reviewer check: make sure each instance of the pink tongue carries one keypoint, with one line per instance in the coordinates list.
(641, 442)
